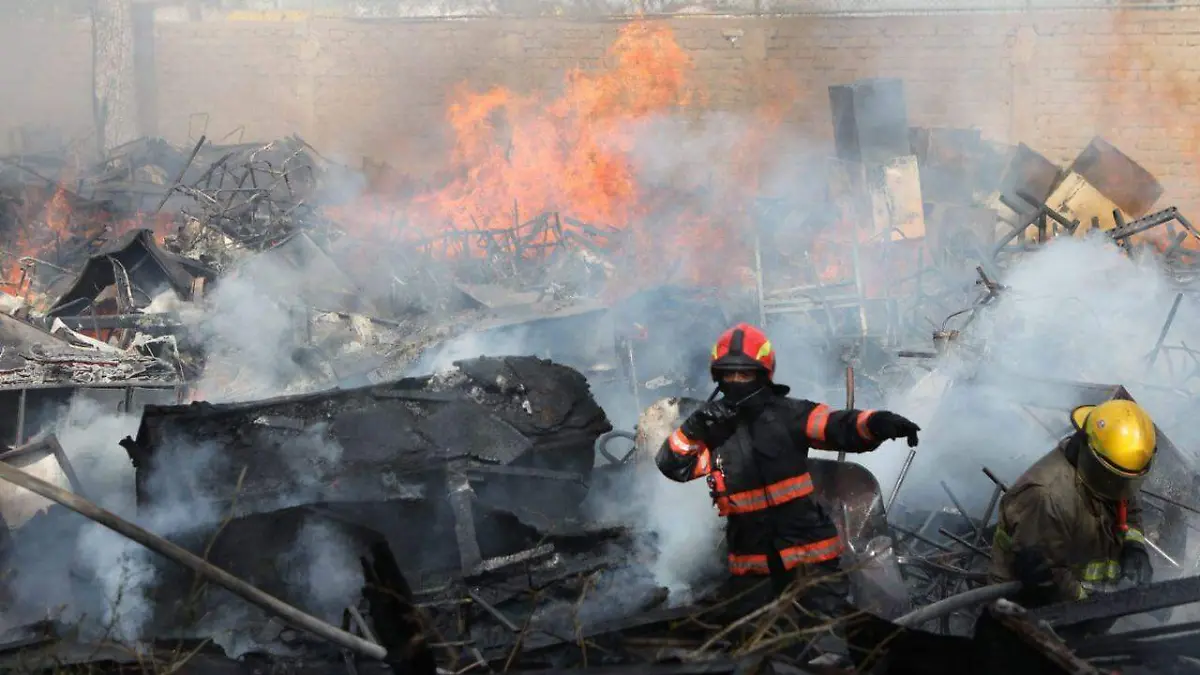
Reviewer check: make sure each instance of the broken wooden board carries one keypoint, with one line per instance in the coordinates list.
(1114, 174)
(1077, 199)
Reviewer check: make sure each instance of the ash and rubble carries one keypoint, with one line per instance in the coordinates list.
(467, 516)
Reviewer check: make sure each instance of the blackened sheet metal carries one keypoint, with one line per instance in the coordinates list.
(464, 428)
(139, 254)
(359, 444)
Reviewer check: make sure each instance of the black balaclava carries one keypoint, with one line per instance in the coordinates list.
(747, 394)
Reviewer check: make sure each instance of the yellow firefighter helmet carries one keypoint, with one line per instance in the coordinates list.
(1121, 442)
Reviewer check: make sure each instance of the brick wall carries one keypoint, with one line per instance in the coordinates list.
(378, 88)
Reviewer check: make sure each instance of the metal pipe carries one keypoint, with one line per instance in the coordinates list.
(19, 437)
(958, 506)
(959, 540)
(849, 400)
(601, 445)
(1166, 328)
(992, 477)
(987, 513)
(193, 562)
(912, 452)
(958, 602)
(637, 405)
(1154, 547)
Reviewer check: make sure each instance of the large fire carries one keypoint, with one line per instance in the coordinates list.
(518, 156)
(529, 170)
(52, 231)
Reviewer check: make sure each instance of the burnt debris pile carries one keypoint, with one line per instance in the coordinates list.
(271, 363)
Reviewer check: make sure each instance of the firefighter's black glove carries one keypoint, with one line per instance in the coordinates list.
(885, 425)
(1035, 573)
(712, 424)
(1135, 563)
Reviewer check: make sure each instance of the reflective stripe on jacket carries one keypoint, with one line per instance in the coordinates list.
(759, 479)
(1048, 509)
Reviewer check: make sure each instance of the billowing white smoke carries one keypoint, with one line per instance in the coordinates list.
(121, 571)
(248, 334)
(322, 566)
(1076, 310)
(684, 532)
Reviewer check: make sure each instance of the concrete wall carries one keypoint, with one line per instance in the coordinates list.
(379, 87)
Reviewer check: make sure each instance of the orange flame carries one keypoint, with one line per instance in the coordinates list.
(517, 156)
(50, 227)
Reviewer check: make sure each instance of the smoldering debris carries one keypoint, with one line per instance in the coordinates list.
(348, 451)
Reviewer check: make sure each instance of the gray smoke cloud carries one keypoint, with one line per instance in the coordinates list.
(1078, 310)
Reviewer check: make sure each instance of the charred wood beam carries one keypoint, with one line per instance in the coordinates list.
(500, 562)
(1159, 595)
(461, 497)
(1153, 642)
(1021, 625)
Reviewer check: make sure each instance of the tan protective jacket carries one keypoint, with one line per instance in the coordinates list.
(1048, 508)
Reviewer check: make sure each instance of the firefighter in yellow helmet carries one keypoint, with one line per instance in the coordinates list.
(1070, 526)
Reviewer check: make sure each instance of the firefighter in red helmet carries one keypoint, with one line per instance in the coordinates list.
(752, 445)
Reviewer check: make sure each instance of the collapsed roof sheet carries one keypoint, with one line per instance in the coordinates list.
(149, 268)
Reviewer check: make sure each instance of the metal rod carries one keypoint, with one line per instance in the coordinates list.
(987, 513)
(182, 172)
(196, 564)
(959, 540)
(20, 434)
(849, 400)
(958, 602)
(912, 452)
(1170, 501)
(637, 405)
(1154, 547)
(958, 505)
(64, 463)
(1162, 335)
(497, 614)
(992, 477)
(922, 538)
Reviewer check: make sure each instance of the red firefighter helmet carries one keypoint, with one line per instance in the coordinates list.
(743, 347)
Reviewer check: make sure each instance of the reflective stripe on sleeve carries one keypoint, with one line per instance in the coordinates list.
(818, 419)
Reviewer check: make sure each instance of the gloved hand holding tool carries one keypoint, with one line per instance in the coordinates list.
(885, 425)
(712, 424)
(1135, 563)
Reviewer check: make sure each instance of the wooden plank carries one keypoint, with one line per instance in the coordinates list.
(1077, 199)
(1114, 174)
